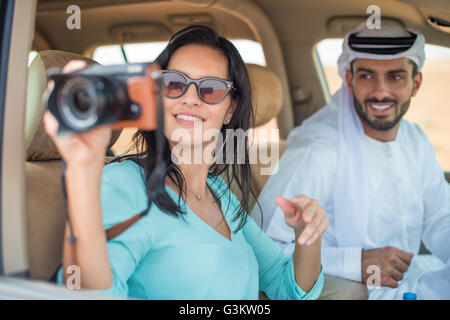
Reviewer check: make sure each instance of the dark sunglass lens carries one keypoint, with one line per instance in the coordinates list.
(173, 84)
(212, 91)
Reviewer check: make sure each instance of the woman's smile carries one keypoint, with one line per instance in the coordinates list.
(188, 118)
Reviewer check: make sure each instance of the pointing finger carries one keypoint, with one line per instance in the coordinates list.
(285, 205)
(300, 202)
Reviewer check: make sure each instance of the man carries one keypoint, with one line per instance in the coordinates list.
(374, 173)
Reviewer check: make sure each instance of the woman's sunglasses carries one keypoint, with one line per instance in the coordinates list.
(210, 90)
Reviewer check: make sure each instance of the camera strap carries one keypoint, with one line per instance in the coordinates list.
(72, 238)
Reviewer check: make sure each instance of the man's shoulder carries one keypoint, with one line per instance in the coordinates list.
(317, 130)
(319, 146)
(413, 133)
(317, 157)
(319, 139)
(411, 127)
(314, 143)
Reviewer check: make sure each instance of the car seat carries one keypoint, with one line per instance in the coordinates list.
(267, 96)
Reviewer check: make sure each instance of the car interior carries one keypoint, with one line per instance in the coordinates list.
(287, 89)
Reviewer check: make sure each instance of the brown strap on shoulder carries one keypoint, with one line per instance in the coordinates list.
(111, 233)
(117, 229)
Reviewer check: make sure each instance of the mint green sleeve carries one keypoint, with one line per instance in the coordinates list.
(119, 196)
(276, 271)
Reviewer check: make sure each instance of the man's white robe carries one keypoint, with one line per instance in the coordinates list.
(409, 203)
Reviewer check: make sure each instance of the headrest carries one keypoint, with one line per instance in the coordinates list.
(38, 145)
(267, 93)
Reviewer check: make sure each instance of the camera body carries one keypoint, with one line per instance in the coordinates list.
(117, 96)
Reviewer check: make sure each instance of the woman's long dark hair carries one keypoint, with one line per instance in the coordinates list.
(243, 118)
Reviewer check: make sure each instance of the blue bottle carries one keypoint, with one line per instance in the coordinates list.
(409, 296)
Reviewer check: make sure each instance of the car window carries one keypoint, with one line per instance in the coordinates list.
(429, 108)
(251, 52)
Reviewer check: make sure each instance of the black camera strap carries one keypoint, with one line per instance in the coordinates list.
(72, 240)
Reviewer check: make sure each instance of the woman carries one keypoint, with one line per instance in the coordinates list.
(197, 241)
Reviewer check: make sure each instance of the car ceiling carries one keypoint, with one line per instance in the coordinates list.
(293, 20)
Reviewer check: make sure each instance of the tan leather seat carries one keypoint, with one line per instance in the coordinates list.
(44, 203)
(267, 97)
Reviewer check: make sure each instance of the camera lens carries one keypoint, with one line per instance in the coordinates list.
(81, 102)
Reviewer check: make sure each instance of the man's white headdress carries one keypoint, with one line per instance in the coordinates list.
(351, 194)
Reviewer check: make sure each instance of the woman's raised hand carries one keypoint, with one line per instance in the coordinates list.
(305, 216)
(78, 149)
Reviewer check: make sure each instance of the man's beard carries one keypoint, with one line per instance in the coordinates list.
(381, 124)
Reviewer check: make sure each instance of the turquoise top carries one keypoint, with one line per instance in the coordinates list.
(163, 256)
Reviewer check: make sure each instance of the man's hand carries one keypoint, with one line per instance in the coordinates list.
(392, 262)
(305, 216)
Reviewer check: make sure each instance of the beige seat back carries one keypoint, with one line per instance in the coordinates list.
(267, 97)
(44, 203)
(268, 100)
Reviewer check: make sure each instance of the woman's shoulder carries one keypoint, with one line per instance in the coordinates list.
(127, 169)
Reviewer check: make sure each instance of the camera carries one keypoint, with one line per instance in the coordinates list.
(117, 96)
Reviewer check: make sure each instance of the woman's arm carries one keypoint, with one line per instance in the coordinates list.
(89, 252)
(309, 221)
(307, 264)
(277, 274)
(122, 195)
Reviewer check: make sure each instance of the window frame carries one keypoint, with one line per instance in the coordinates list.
(123, 51)
(6, 22)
